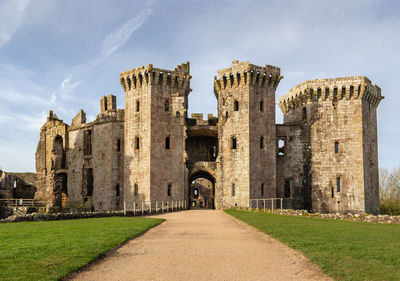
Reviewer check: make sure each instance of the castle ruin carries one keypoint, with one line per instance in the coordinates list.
(323, 157)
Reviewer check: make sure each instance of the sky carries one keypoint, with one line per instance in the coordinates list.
(65, 55)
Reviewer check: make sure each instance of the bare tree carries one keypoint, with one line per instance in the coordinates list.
(383, 183)
(394, 183)
(389, 183)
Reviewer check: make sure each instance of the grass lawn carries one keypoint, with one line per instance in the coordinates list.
(344, 250)
(49, 250)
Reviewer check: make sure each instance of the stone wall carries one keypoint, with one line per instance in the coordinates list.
(17, 185)
(293, 177)
(95, 158)
(51, 161)
(334, 108)
(246, 131)
(156, 108)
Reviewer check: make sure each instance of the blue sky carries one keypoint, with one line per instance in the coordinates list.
(65, 55)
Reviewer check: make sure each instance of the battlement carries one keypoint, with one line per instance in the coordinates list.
(108, 103)
(333, 89)
(149, 75)
(197, 119)
(116, 115)
(245, 74)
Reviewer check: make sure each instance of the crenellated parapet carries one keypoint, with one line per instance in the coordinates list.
(243, 74)
(149, 75)
(332, 89)
(196, 119)
(115, 115)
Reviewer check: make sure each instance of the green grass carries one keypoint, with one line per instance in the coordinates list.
(49, 250)
(344, 250)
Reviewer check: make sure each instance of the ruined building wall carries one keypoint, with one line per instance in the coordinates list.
(51, 161)
(17, 185)
(293, 164)
(156, 107)
(334, 110)
(244, 166)
(95, 158)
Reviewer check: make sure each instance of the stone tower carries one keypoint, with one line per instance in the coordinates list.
(155, 109)
(341, 114)
(246, 165)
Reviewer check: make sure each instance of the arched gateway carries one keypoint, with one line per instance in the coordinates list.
(202, 152)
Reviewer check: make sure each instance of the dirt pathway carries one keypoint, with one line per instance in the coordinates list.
(203, 245)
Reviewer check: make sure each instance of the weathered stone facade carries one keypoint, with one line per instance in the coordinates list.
(341, 144)
(323, 158)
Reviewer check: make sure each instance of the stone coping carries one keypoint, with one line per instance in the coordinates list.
(386, 219)
(81, 215)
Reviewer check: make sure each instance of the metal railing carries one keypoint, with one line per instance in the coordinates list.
(266, 203)
(22, 203)
(153, 207)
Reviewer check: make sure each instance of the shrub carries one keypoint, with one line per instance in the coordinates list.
(390, 207)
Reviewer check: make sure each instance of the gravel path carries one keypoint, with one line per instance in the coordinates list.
(202, 245)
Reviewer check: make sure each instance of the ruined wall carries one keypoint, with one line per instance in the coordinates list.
(95, 159)
(51, 161)
(293, 164)
(156, 108)
(17, 185)
(334, 109)
(246, 130)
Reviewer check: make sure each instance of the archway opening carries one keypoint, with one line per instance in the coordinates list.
(202, 191)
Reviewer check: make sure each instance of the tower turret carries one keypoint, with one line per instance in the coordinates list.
(155, 108)
(246, 130)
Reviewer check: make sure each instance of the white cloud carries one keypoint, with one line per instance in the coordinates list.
(111, 43)
(12, 14)
(118, 38)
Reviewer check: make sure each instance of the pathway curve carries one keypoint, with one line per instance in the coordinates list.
(202, 245)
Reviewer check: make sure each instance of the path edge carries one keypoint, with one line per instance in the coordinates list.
(267, 236)
(106, 254)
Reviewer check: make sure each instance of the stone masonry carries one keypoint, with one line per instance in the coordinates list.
(323, 158)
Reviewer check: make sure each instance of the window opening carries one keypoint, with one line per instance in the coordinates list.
(88, 142)
(281, 147)
(234, 143)
(236, 105)
(137, 106)
(233, 189)
(168, 142)
(262, 190)
(304, 113)
(169, 189)
(261, 106)
(336, 147)
(338, 184)
(118, 145)
(261, 142)
(287, 188)
(166, 105)
(117, 190)
(137, 143)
